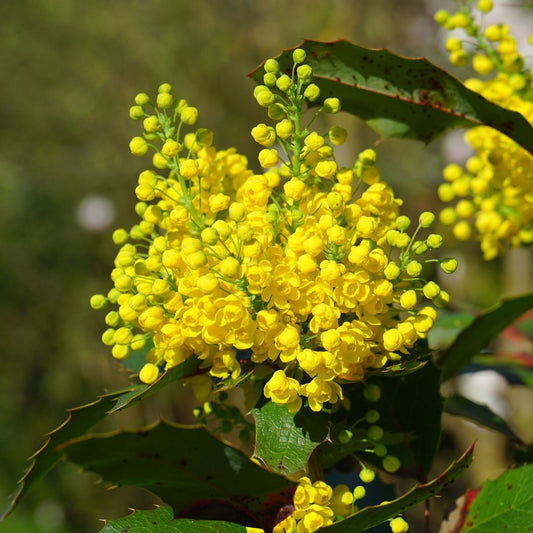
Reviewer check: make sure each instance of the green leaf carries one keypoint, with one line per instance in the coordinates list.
(377, 514)
(399, 96)
(410, 407)
(140, 392)
(482, 330)
(481, 414)
(504, 504)
(183, 466)
(284, 441)
(447, 327)
(161, 520)
(81, 419)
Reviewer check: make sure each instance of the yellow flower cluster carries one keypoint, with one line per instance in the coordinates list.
(492, 193)
(305, 271)
(316, 505)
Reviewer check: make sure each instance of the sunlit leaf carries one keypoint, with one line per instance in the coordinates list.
(284, 441)
(399, 96)
(161, 520)
(186, 467)
(504, 504)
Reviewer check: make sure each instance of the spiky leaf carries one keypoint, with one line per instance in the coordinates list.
(399, 96)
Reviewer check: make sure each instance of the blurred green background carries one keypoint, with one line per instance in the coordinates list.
(70, 70)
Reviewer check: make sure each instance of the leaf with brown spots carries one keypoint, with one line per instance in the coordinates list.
(399, 96)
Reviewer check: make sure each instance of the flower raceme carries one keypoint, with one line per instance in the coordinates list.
(286, 274)
(491, 194)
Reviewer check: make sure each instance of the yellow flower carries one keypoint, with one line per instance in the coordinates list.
(283, 391)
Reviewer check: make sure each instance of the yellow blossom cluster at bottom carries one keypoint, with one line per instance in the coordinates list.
(316, 505)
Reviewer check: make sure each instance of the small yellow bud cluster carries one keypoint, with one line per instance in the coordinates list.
(316, 505)
(491, 195)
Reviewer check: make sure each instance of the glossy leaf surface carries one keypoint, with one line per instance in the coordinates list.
(284, 441)
(160, 520)
(504, 504)
(399, 96)
(187, 468)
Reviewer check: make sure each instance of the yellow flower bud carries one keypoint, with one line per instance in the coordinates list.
(447, 216)
(98, 301)
(151, 124)
(189, 115)
(229, 267)
(283, 83)
(332, 105)
(120, 351)
(312, 92)
(304, 72)
(392, 340)
(142, 99)
(408, 299)
(448, 265)
(237, 211)
(482, 64)
(269, 79)
(268, 157)
(459, 20)
(462, 230)
(493, 33)
(164, 88)
(426, 219)
(459, 58)
(209, 236)
(392, 271)
(138, 146)
(431, 290)
(171, 148)
(294, 189)
(196, 260)
(337, 135)
(298, 55)
(399, 525)
(441, 17)
(218, 202)
(149, 373)
(164, 100)
(145, 192)
(434, 240)
(264, 135)
(264, 97)
(326, 169)
(159, 161)
(345, 176)
(452, 44)
(271, 65)
(284, 128)
(222, 228)
(189, 168)
(445, 192)
(485, 6)
(136, 112)
(276, 111)
(413, 268)
(366, 475)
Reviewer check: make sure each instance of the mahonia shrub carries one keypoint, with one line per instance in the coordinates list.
(305, 274)
(491, 193)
